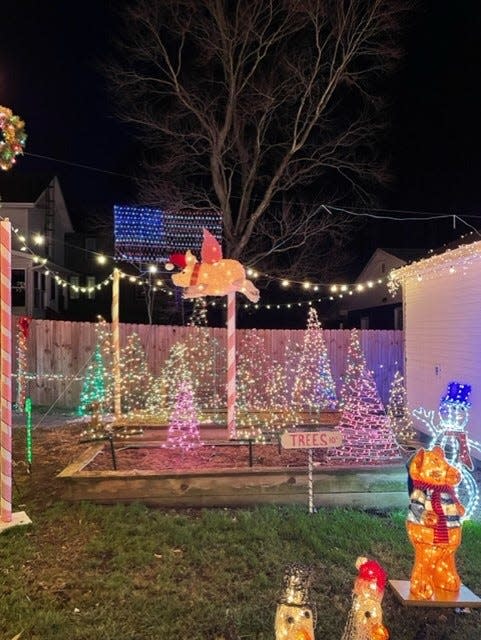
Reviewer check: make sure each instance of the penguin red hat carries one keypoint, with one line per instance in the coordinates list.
(371, 571)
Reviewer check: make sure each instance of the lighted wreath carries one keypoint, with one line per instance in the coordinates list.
(12, 138)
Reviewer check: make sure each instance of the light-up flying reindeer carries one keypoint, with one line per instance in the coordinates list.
(451, 435)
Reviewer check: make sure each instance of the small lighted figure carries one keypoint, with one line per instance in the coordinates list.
(434, 525)
(295, 615)
(365, 617)
(213, 276)
(451, 435)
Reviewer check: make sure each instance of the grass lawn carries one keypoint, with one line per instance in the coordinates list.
(133, 573)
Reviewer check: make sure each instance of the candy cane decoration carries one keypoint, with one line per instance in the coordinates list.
(116, 342)
(231, 392)
(5, 374)
(309, 481)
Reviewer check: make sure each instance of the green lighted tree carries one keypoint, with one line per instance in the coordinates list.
(94, 385)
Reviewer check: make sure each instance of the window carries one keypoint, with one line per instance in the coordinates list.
(38, 297)
(73, 293)
(18, 287)
(52, 289)
(383, 267)
(364, 322)
(90, 283)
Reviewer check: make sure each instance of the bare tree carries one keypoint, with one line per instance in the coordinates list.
(261, 109)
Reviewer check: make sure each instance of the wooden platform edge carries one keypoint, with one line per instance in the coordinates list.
(465, 597)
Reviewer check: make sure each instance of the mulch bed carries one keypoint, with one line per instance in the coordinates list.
(204, 457)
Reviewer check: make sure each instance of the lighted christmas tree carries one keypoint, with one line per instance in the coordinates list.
(136, 379)
(198, 317)
(252, 397)
(199, 359)
(354, 364)
(367, 435)
(279, 412)
(398, 412)
(94, 387)
(184, 427)
(314, 387)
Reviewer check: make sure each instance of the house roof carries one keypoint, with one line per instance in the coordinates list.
(440, 263)
(406, 255)
(23, 187)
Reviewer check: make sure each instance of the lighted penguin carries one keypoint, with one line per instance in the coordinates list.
(295, 614)
(365, 617)
(214, 275)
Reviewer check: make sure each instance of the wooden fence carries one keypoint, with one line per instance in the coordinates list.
(58, 353)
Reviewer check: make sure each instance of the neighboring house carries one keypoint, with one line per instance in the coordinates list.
(375, 307)
(442, 328)
(82, 256)
(36, 207)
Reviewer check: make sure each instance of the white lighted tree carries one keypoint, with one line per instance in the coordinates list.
(367, 435)
(398, 412)
(314, 387)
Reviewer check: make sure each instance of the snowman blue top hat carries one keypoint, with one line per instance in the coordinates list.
(458, 394)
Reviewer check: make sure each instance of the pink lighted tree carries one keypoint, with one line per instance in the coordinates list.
(184, 427)
(366, 431)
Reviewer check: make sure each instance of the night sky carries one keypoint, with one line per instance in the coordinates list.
(50, 76)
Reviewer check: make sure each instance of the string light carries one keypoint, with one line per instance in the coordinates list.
(285, 283)
(436, 266)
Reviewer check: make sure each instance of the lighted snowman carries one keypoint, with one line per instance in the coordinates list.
(451, 435)
(295, 615)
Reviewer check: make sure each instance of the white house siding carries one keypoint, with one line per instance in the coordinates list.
(442, 320)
